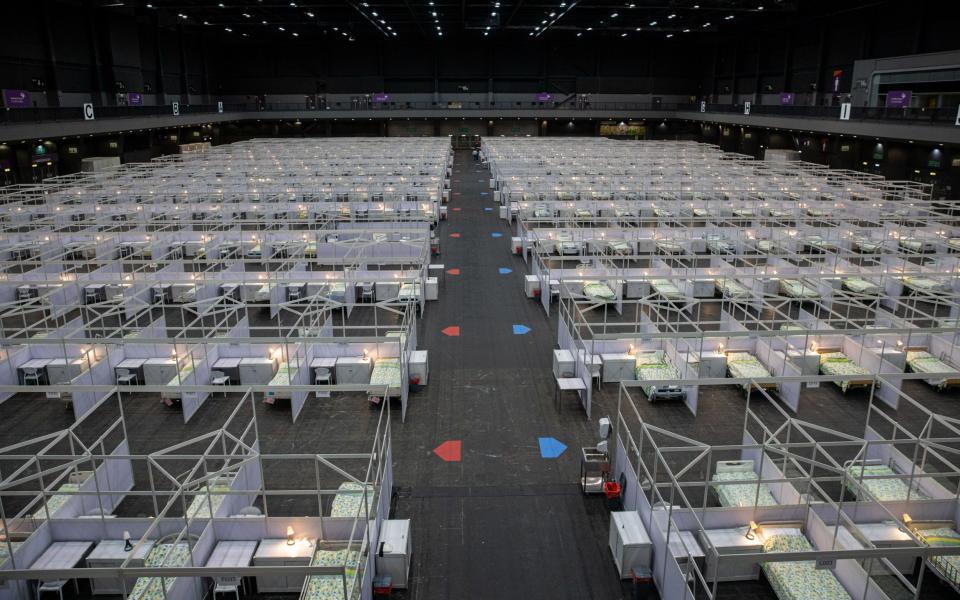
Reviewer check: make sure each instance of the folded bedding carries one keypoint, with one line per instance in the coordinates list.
(923, 284)
(386, 371)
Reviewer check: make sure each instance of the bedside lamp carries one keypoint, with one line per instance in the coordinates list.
(290, 539)
(751, 530)
(907, 520)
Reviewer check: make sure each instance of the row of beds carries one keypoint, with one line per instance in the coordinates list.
(347, 503)
(654, 366)
(744, 365)
(735, 483)
(795, 288)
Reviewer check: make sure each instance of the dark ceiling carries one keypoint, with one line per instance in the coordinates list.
(359, 20)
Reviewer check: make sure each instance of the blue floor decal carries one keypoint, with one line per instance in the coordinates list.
(551, 447)
(521, 330)
(504, 271)
(496, 235)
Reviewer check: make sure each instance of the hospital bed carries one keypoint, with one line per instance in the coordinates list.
(953, 244)
(669, 247)
(921, 361)
(701, 213)
(200, 506)
(720, 246)
(161, 555)
(653, 366)
(732, 289)
(743, 365)
(582, 213)
(834, 362)
(279, 386)
(798, 580)
(769, 247)
(349, 500)
(386, 372)
(735, 482)
(667, 290)
(409, 292)
(57, 501)
(941, 535)
(799, 289)
(817, 244)
(172, 391)
(597, 291)
(916, 245)
(923, 285)
(541, 211)
(744, 213)
(620, 247)
(331, 587)
(662, 213)
(881, 481)
(867, 246)
(859, 285)
(565, 245)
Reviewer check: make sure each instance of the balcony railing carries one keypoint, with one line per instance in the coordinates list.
(932, 116)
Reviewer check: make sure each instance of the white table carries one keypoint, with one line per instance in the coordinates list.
(231, 554)
(569, 384)
(276, 552)
(131, 363)
(227, 363)
(733, 541)
(325, 362)
(60, 555)
(110, 553)
(36, 363)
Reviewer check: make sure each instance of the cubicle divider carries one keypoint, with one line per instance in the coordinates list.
(885, 452)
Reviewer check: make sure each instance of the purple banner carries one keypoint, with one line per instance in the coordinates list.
(16, 98)
(544, 97)
(134, 98)
(786, 98)
(899, 98)
(381, 97)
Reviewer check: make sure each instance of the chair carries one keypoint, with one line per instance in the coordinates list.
(125, 377)
(219, 378)
(56, 585)
(31, 376)
(367, 292)
(322, 376)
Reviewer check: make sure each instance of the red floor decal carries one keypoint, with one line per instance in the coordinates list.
(455, 235)
(453, 271)
(449, 451)
(452, 331)
(457, 209)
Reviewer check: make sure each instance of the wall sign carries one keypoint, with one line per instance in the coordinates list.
(703, 109)
(134, 99)
(787, 98)
(845, 111)
(176, 109)
(16, 98)
(826, 563)
(544, 97)
(381, 97)
(837, 74)
(746, 108)
(958, 117)
(899, 98)
(219, 106)
(88, 111)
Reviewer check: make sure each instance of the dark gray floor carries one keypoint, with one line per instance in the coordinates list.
(504, 522)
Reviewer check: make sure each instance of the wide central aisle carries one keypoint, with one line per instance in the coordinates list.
(493, 516)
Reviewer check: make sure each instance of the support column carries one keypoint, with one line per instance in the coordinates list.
(96, 76)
